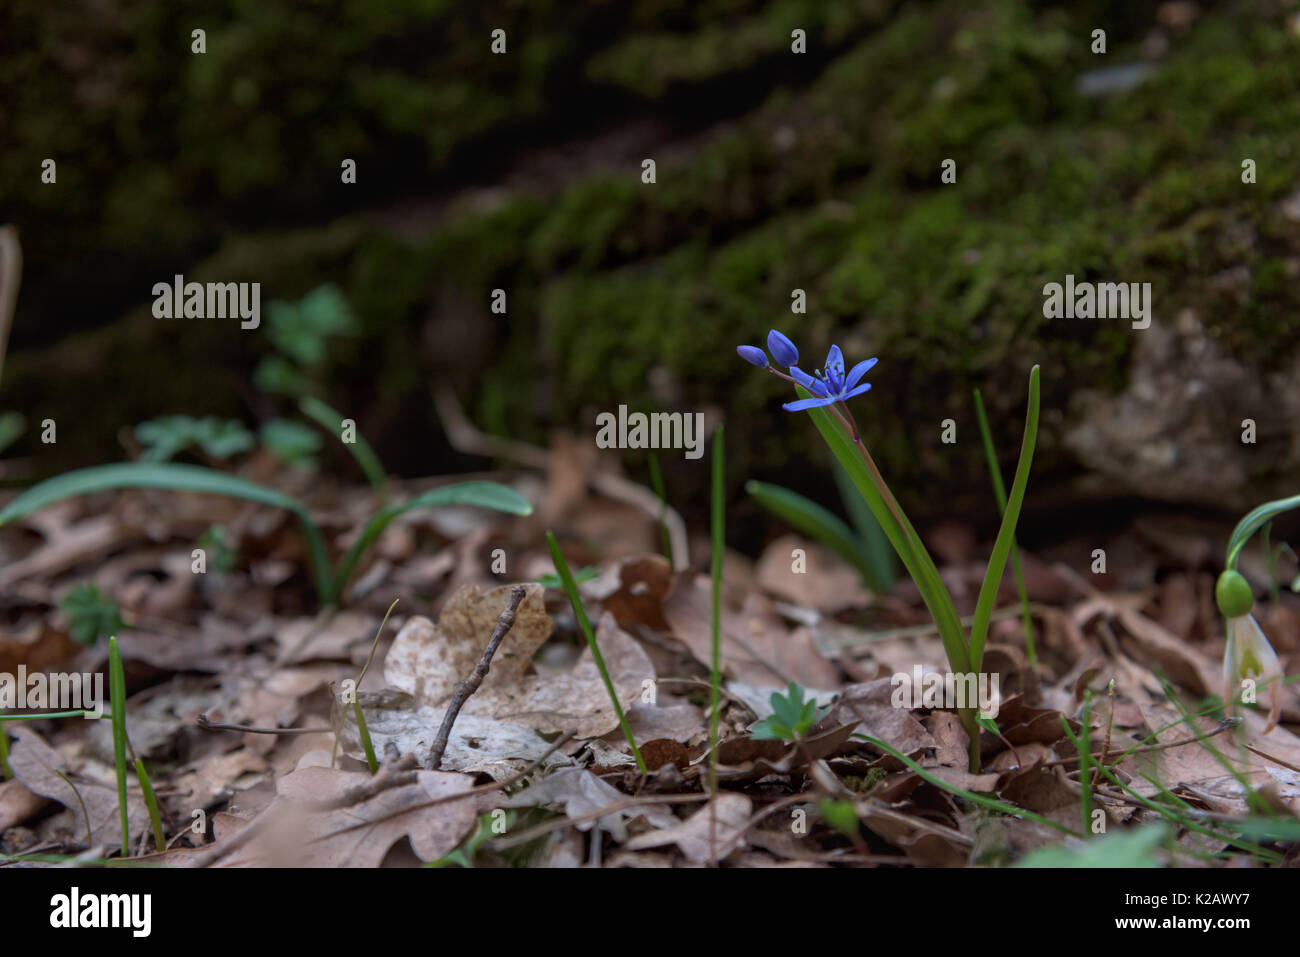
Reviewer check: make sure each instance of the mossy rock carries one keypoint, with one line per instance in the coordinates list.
(624, 292)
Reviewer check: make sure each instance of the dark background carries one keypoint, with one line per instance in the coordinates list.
(775, 171)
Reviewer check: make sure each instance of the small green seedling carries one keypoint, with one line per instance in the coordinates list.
(222, 556)
(291, 442)
(12, 426)
(300, 330)
(93, 615)
(1124, 849)
(166, 437)
(791, 719)
(840, 815)
(552, 580)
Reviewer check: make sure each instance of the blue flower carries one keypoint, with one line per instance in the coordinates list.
(753, 355)
(782, 349)
(830, 385)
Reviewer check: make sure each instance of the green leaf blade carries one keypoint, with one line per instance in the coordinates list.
(1006, 533)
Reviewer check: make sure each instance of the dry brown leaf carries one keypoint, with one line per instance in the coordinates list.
(426, 662)
(692, 835)
(359, 835)
(216, 778)
(756, 646)
(633, 590)
(825, 582)
(871, 705)
(311, 639)
(578, 792)
(17, 804)
(35, 764)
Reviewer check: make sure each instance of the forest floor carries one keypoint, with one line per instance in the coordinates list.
(537, 772)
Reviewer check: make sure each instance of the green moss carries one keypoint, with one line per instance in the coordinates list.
(832, 187)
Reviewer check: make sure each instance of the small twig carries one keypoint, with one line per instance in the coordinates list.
(1268, 757)
(1101, 757)
(207, 725)
(468, 686)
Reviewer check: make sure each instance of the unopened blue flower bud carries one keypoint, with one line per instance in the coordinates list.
(782, 349)
(753, 355)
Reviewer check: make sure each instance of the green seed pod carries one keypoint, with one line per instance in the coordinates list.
(1234, 595)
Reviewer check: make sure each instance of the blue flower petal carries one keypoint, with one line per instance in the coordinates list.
(815, 386)
(858, 371)
(865, 387)
(816, 402)
(753, 355)
(834, 362)
(782, 349)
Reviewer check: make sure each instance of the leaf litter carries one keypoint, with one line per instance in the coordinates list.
(539, 739)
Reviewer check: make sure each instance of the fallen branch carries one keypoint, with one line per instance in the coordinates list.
(471, 684)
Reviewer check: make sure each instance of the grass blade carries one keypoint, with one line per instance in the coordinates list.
(85, 817)
(871, 537)
(176, 478)
(1008, 809)
(1000, 492)
(364, 733)
(151, 802)
(904, 539)
(911, 550)
(332, 422)
(584, 625)
(717, 529)
(490, 495)
(117, 695)
(657, 483)
(1002, 546)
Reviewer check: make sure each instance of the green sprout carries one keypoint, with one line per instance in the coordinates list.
(291, 442)
(216, 543)
(1124, 849)
(329, 580)
(584, 625)
(1000, 491)
(93, 615)
(12, 426)
(166, 437)
(791, 717)
(552, 580)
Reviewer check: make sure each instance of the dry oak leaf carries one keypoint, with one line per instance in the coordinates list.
(578, 793)
(35, 764)
(362, 834)
(427, 661)
(692, 835)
